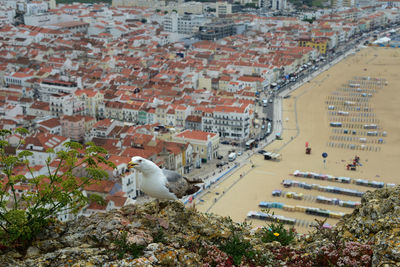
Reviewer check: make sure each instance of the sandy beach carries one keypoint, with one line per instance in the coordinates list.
(306, 118)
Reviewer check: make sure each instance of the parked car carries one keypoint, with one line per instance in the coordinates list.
(225, 142)
(261, 151)
(220, 157)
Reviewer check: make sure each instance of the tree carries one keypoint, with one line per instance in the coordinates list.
(309, 20)
(25, 214)
(250, 5)
(143, 20)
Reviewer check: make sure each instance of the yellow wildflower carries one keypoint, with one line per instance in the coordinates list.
(276, 234)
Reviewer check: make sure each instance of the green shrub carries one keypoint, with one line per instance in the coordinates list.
(277, 232)
(159, 236)
(238, 249)
(124, 247)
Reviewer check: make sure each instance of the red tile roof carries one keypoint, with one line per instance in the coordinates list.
(100, 186)
(51, 123)
(197, 135)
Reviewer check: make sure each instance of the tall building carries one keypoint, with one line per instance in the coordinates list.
(140, 3)
(345, 3)
(186, 24)
(217, 30)
(223, 9)
(49, 87)
(278, 4)
(264, 3)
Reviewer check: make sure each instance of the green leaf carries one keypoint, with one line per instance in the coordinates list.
(25, 154)
(52, 192)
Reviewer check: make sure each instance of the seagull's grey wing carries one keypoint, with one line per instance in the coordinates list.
(178, 185)
(171, 175)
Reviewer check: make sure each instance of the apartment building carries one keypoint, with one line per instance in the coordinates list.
(232, 122)
(204, 143)
(65, 104)
(278, 4)
(73, 127)
(91, 101)
(184, 24)
(50, 87)
(223, 9)
(321, 44)
(39, 144)
(217, 30)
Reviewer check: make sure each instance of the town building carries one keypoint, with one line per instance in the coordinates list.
(184, 24)
(39, 144)
(73, 127)
(50, 87)
(217, 30)
(206, 144)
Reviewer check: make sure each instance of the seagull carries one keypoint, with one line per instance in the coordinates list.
(162, 183)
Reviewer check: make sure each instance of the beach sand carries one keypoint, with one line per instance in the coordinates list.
(236, 196)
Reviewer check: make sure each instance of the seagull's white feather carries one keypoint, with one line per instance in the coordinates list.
(154, 182)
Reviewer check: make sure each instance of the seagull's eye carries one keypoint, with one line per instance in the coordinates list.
(140, 161)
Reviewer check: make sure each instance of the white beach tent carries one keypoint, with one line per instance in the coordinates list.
(382, 40)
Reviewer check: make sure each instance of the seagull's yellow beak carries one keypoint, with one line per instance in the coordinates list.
(131, 165)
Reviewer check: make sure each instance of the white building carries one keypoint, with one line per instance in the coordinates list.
(279, 4)
(185, 24)
(49, 87)
(65, 104)
(52, 125)
(102, 128)
(205, 144)
(38, 145)
(184, 7)
(72, 26)
(7, 15)
(231, 122)
(223, 9)
(35, 8)
(128, 178)
(41, 19)
(264, 3)
(17, 78)
(129, 184)
(12, 110)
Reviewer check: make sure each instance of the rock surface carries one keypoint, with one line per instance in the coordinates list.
(172, 235)
(376, 221)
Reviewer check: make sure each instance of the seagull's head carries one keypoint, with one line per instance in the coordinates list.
(141, 164)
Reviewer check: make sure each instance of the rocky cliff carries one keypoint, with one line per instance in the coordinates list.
(169, 234)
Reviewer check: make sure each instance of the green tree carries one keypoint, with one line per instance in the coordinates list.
(309, 20)
(251, 5)
(25, 214)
